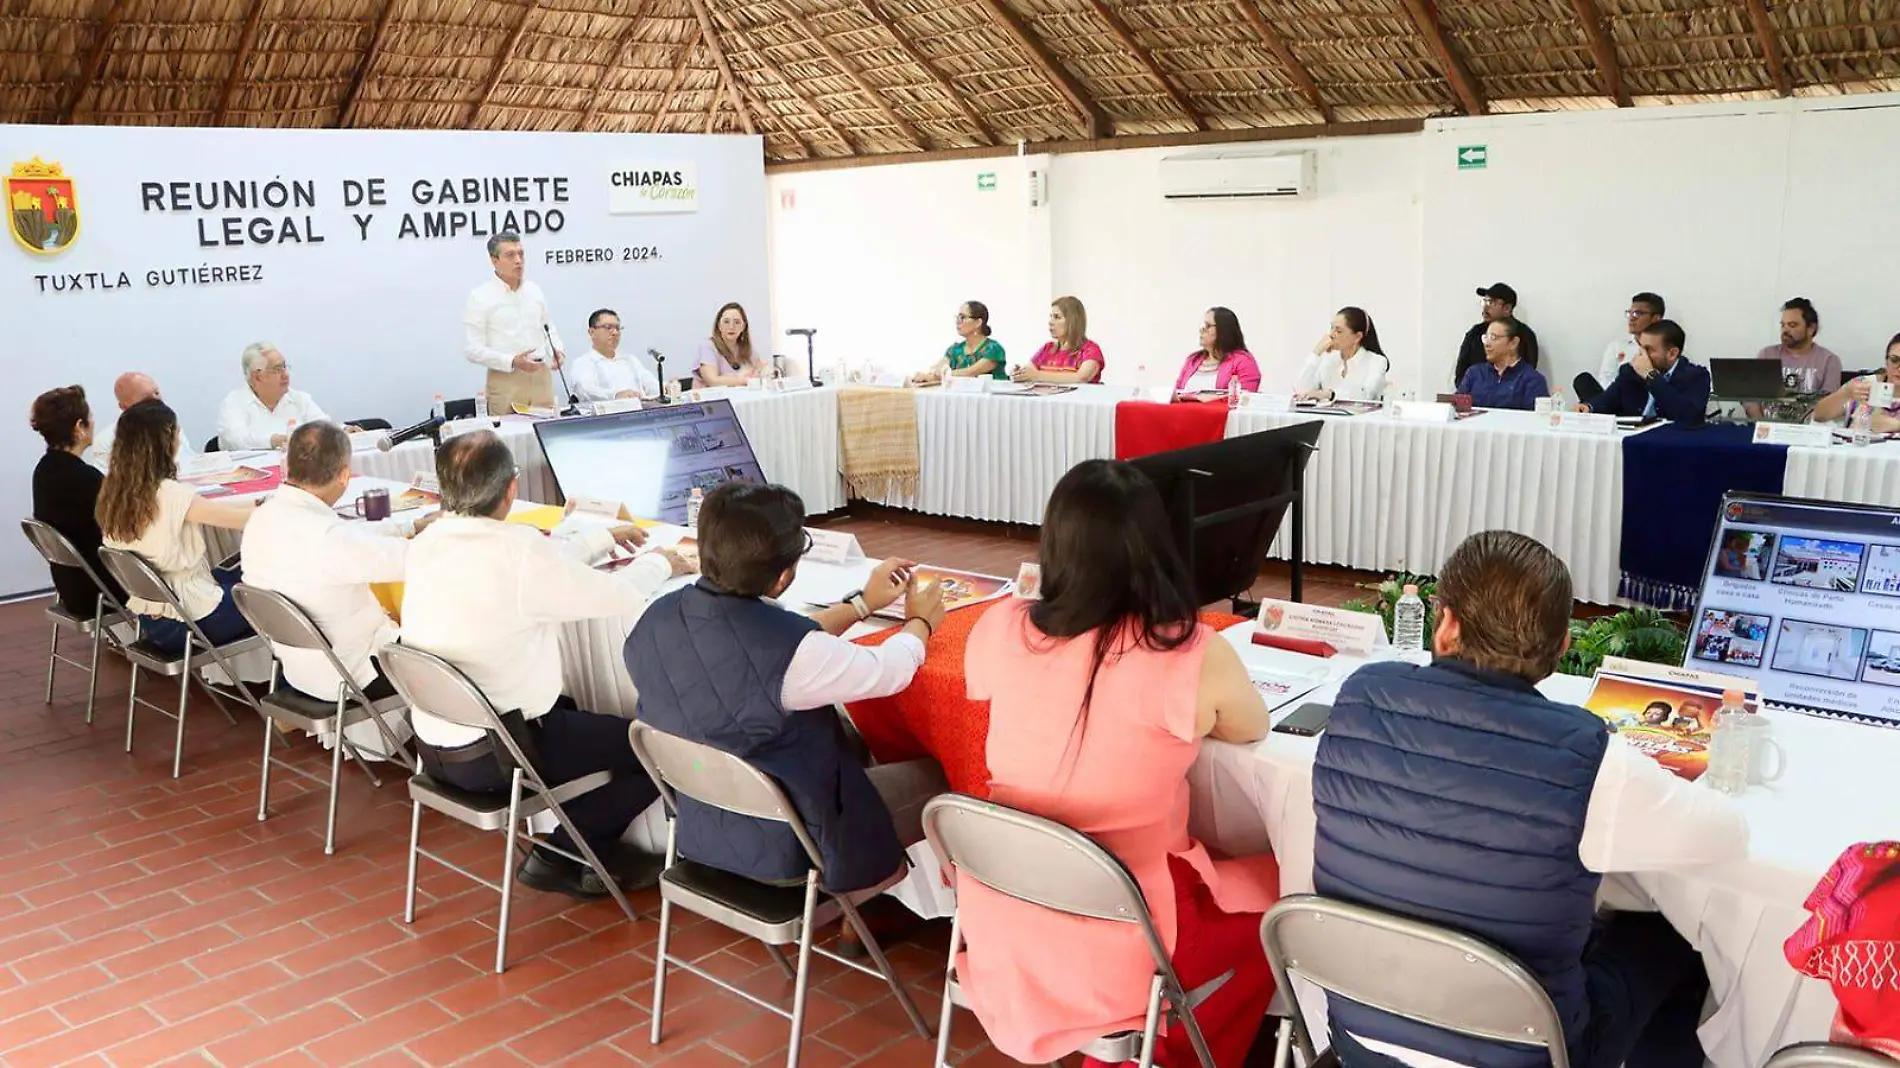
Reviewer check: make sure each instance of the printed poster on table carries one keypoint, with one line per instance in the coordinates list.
(961, 589)
(1667, 712)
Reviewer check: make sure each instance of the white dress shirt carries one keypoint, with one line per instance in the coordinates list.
(498, 322)
(1361, 378)
(244, 422)
(827, 670)
(490, 598)
(1642, 817)
(297, 546)
(1615, 356)
(99, 453)
(175, 547)
(597, 378)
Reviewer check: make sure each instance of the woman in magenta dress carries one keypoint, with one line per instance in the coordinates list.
(1100, 695)
(1069, 355)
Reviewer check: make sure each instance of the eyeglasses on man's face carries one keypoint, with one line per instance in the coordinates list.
(610, 327)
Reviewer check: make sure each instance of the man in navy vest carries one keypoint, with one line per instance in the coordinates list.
(1457, 794)
(720, 662)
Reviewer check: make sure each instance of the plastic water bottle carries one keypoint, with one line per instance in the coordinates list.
(1233, 392)
(693, 501)
(435, 407)
(1558, 403)
(481, 403)
(1861, 424)
(1408, 622)
(1730, 744)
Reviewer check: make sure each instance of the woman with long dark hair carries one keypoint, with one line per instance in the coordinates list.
(1222, 357)
(66, 491)
(1100, 693)
(726, 357)
(1348, 363)
(143, 507)
(975, 354)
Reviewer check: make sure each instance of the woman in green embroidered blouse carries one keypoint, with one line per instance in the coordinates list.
(976, 355)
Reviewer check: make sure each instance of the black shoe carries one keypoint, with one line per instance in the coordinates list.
(635, 870)
(558, 875)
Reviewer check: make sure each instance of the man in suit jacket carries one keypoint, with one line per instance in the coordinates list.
(1659, 381)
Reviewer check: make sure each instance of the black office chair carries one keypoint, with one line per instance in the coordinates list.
(463, 408)
(212, 445)
(1586, 387)
(369, 424)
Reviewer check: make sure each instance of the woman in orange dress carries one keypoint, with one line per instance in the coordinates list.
(1100, 695)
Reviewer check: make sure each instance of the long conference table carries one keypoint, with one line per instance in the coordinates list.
(1382, 494)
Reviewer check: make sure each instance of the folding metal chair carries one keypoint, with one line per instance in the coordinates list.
(433, 685)
(775, 915)
(1828, 1055)
(139, 579)
(280, 621)
(1409, 968)
(1044, 863)
(107, 612)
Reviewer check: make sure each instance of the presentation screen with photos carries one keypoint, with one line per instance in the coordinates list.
(652, 459)
(1804, 597)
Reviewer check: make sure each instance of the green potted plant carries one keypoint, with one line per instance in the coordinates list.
(1634, 633)
(1384, 596)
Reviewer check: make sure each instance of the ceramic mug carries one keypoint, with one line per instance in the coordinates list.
(373, 505)
(1758, 774)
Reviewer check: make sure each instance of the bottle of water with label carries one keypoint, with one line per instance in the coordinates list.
(693, 502)
(1729, 745)
(1233, 392)
(1861, 424)
(1408, 622)
(481, 403)
(435, 407)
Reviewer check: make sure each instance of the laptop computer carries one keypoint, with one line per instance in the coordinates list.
(1749, 379)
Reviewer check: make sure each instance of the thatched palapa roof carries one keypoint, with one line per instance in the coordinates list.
(854, 79)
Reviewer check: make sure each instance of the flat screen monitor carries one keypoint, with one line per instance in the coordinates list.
(649, 460)
(1803, 597)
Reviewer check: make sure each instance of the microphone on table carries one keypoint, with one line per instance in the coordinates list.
(392, 438)
(659, 372)
(573, 402)
(1587, 387)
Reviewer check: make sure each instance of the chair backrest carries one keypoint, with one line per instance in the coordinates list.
(1411, 969)
(52, 545)
(435, 686)
(278, 618)
(1032, 859)
(707, 775)
(1829, 1055)
(139, 578)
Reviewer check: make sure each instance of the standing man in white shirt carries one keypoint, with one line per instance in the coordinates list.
(507, 329)
(490, 596)
(266, 410)
(1457, 794)
(1644, 310)
(128, 389)
(297, 545)
(602, 373)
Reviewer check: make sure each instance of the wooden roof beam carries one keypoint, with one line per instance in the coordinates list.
(1094, 123)
(725, 69)
(621, 48)
(1770, 47)
(1604, 49)
(985, 134)
(1295, 70)
(851, 74)
(501, 62)
(1424, 16)
(673, 87)
(766, 64)
(347, 113)
(236, 75)
(95, 60)
(1147, 61)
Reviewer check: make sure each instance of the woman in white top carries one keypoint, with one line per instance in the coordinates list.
(726, 358)
(143, 507)
(603, 373)
(1839, 405)
(1348, 363)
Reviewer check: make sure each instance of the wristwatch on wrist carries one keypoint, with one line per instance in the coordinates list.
(858, 604)
(1654, 376)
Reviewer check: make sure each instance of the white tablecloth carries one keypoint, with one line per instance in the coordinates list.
(1869, 475)
(1246, 799)
(1384, 495)
(411, 458)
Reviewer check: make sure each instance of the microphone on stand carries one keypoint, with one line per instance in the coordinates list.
(392, 438)
(573, 402)
(659, 372)
(811, 361)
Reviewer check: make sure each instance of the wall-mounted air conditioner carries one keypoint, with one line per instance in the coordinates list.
(1237, 174)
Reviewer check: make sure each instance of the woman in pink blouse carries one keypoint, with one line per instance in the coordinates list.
(1069, 356)
(1222, 357)
(1100, 694)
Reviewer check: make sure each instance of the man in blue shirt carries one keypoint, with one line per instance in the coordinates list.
(1658, 382)
(1506, 379)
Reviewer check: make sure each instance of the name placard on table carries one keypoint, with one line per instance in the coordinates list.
(1353, 633)
(1810, 434)
(966, 385)
(833, 547)
(617, 405)
(602, 507)
(1267, 402)
(1583, 422)
(1424, 412)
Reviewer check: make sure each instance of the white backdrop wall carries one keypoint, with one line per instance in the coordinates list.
(370, 323)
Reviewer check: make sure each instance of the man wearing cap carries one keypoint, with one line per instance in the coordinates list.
(1500, 300)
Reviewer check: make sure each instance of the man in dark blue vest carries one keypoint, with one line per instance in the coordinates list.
(720, 662)
(1457, 794)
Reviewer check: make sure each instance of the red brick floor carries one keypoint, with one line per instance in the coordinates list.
(150, 921)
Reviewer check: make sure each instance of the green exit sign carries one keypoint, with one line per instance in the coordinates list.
(1473, 157)
(986, 181)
